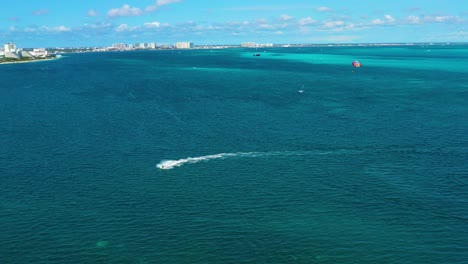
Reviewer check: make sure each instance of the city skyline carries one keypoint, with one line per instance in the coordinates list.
(88, 23)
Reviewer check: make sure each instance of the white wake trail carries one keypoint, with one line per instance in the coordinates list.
(170, 164)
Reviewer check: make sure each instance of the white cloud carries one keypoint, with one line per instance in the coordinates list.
(306, 21)
(30, 30)
(92, 13)
(266, 26)
(44, 29)
(56, 29)
(125, 10)
(283, 24)
(151, 8)
(102, 25)
(333, 24)
(61, 29)
(159, 3)
(442, 19)
(122, 28)
(413, 20)
(12, 28)
(377, 22)
(152, 24)
(389, 18)
(323, 9)
(166, 2)
(126, 28)
(285, 17)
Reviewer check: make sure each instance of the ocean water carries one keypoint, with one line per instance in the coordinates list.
(213, 156)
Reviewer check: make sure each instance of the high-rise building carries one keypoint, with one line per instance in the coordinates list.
(119, 46)
(9, 47)
(184, 45)
(249, 44)
(40, 52)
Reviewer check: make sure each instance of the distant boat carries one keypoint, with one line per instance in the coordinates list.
(301, 90)
(257, 54)
(356, 64)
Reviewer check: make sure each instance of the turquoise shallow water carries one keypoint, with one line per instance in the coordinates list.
(365, 166)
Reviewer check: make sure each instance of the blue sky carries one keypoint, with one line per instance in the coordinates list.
(59, 23)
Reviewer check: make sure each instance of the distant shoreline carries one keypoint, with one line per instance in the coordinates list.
(28, 61)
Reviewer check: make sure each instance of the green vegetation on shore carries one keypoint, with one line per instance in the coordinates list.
(25, 59)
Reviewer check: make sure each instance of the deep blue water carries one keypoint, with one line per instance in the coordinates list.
(367, 165)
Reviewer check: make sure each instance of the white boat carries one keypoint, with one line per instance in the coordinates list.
(301, 90)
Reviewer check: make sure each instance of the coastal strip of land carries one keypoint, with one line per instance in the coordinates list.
(14, 61)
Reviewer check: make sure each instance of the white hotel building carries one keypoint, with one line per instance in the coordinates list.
(184, 45)
(9, 47)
